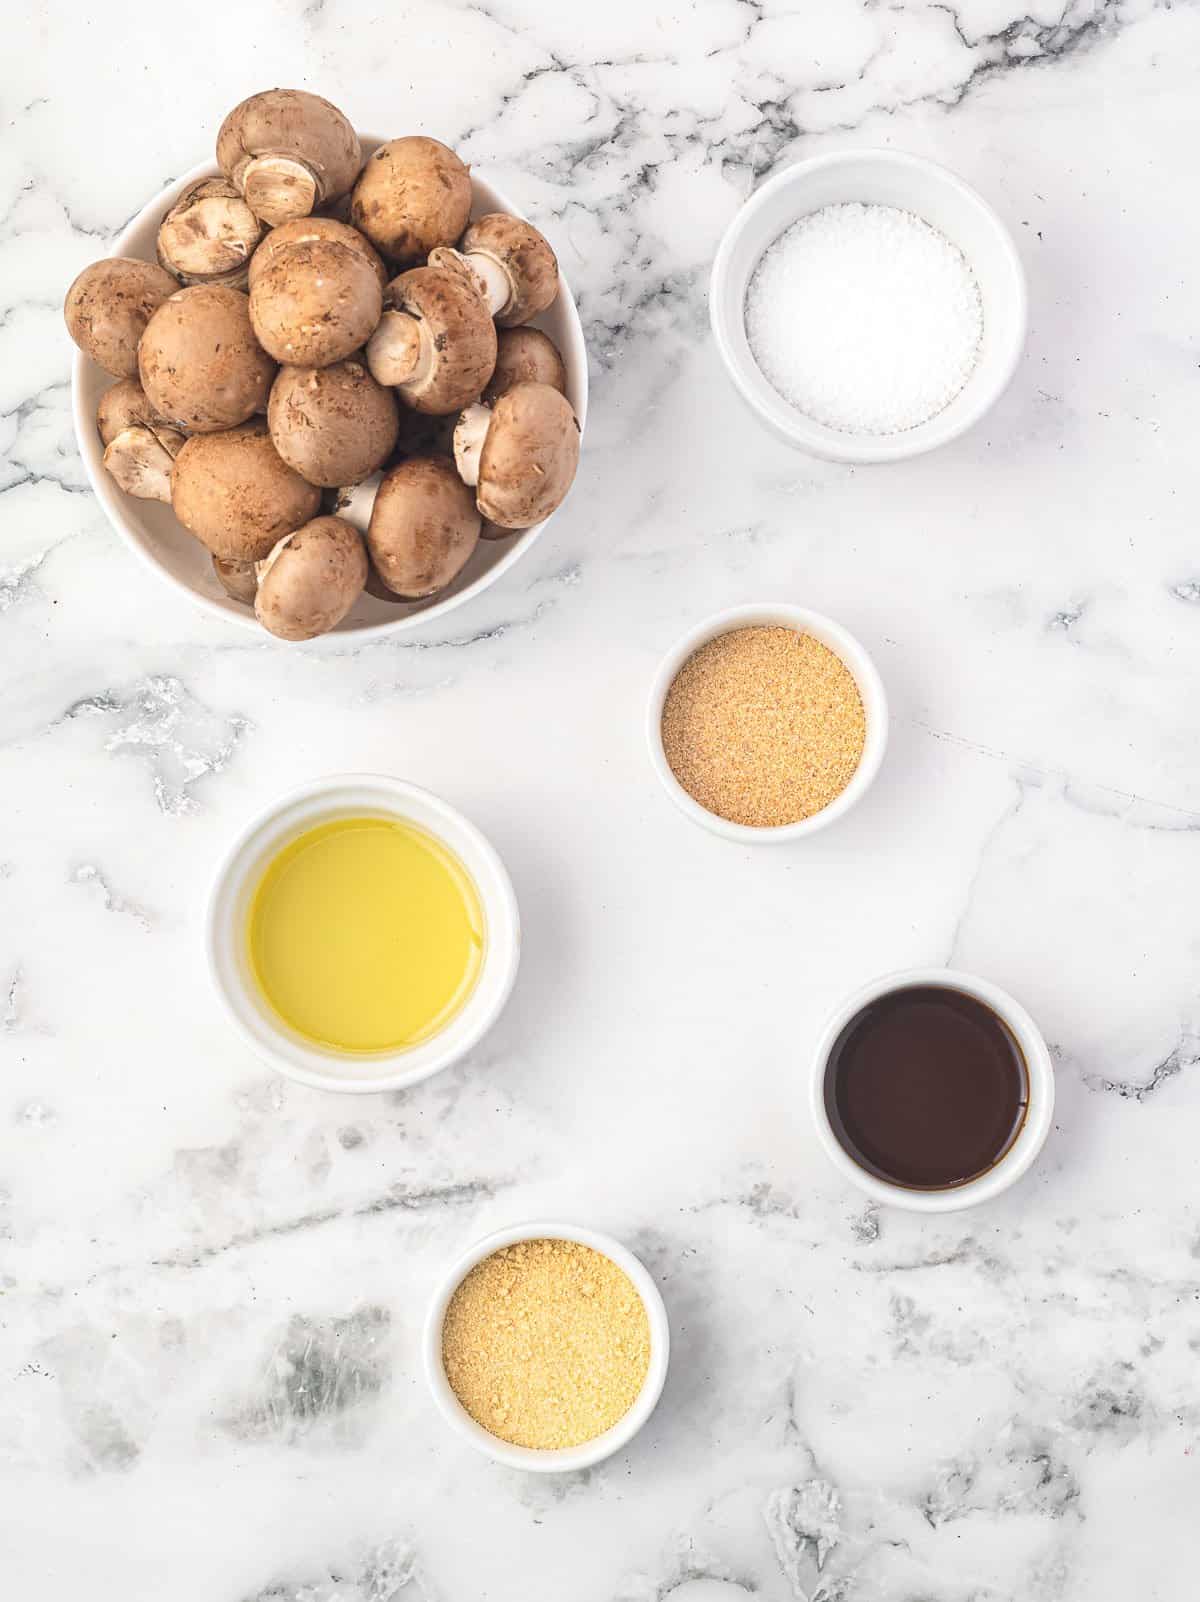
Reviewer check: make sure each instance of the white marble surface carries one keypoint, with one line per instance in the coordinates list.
(213, 1281)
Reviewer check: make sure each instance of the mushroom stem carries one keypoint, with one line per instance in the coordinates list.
(263, 567)
(279, 189)
(469, 434)
(394, 349)
(484, 272)
(512, 265)
(497, 285)
(354, 504)
(141, 459)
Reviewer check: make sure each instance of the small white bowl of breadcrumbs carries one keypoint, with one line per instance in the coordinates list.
(766, 723)
(547, 1346)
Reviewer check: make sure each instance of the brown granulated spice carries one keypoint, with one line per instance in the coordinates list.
(546, 1343)
(764, 726)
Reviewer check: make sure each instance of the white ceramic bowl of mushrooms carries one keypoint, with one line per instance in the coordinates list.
(332, 383)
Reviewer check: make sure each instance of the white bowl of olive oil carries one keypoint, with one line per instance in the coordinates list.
(362, 934)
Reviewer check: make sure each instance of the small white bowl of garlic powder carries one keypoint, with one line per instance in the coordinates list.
(869, 305)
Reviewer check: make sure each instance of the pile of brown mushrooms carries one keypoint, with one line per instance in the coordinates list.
(282, 391)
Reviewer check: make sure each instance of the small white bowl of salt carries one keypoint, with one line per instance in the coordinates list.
(869, 305)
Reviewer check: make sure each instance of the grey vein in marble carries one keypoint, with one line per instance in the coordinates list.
(87, 873)
(317, 1371)
(162, 724)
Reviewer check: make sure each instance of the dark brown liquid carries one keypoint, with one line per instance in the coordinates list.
(926, 1087)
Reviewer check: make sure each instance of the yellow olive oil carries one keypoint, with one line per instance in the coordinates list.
(366, 934)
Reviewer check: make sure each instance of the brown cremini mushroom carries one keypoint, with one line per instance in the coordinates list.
(423, 527)
(514, 265)
(239, 580)
(435, 342)
(236, 493)
(311, 579)
(334, 424)
(519, 455)
(124, 405)
(288, 152)
(305, 231)
(200, 364)
(315, 303)
(108, 307)
(525, 356)
(209, 235)
(413, 195)
(139, 447)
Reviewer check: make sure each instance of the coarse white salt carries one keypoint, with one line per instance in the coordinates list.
(865, 318)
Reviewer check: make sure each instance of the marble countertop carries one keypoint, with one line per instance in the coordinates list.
(212, 1280)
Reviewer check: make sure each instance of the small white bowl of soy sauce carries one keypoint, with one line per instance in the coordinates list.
(932, 1090)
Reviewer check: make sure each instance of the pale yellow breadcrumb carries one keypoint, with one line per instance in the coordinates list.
(546, 1343)
(764, 726)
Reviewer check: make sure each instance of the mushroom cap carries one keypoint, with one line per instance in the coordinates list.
(200, 364)
(108, 307)
(457, 339)
(525, 258)
(413, 195)
(303, 231)
(311, 579)
(124, 405)
(239, 580)
(334, 425)
(209, 235)
(297, 128)
(236, 493)
(423, 527)
(525, 356)
(529, 456)
(315, 303)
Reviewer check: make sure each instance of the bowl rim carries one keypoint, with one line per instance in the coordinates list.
(791, 424)
(560, 1460)
(1039, 1115)
(292, 1057)
(854, 656)
(112, 499)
